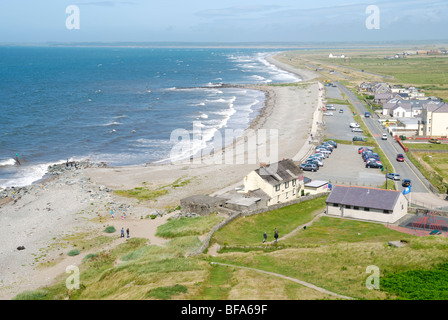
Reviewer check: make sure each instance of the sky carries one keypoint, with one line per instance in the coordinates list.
(40, 21)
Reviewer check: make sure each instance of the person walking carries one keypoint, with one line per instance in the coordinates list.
(265, 237)
(276, 235)
(122, 232)
(127, 232)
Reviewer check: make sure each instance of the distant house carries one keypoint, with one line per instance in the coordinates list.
(281, 181)
(434, 119)
(386, 206)
(381, 98)
(404, 108)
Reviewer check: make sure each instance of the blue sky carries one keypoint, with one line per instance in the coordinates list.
(222, 21)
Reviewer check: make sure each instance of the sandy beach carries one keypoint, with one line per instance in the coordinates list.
(78, 203)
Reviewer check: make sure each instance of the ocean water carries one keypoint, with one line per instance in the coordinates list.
(119, 105)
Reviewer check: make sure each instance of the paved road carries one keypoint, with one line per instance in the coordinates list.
(391, 148)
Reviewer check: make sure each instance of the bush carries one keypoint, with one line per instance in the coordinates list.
(73, 252)
(165, 293)
(110, 229)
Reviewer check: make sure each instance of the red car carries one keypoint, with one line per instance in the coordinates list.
(400, 157)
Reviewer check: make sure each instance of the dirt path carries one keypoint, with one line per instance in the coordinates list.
(303, 283)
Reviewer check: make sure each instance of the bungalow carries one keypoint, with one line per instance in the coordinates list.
(371, 204)
(281, 181)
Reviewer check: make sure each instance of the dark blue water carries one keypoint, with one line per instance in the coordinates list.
(118, 105)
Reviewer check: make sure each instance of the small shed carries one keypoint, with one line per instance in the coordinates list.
(202, 205)
(317, 186)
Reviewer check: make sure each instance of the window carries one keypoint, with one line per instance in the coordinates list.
(277, 187)
(366, 209)
(356, 208)
(335, 205)
(286, 195)
(348, 207)
(294, 182)
(287, 185)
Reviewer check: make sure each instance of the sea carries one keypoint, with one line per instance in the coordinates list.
(120, 105)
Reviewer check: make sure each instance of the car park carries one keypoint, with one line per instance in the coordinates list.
(354, 125)
(393, 176)
(356, 138)
(406, 183)
(384, 137)
(357, 130)
(400, 157)
(309, 167)
(437, 141)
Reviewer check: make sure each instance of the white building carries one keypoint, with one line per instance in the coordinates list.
(386, 206)
(281, 181)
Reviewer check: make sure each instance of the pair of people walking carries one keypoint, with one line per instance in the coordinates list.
(265, 236)
(127, 232)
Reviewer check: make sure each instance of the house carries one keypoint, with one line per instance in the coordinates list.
(315, 187)
(371, 204)
(281, 181)
(404, 108)
(401, 110)
(331, 56)
(381, 98)
(434, 119)
(380, 87)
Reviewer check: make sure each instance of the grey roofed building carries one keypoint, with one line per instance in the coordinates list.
(372, 198)
(281, 171)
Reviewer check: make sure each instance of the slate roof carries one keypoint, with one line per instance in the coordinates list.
(364, 197)
(279, 172)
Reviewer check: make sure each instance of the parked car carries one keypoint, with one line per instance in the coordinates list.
(393, 176)
(400, 157)
(384, 137)
(309, 167)
(316, 162)
(316, 156)
(324, 156)
(357, 130)
(328, 113)
(362, 149)
(354, 125)
(355, 138)
(330, 107)
(437, 141)
(326, 146)
(325, 152)
(374, 164)
(333, 143)
(406, 183)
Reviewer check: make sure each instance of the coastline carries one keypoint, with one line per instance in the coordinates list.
(79, 202)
